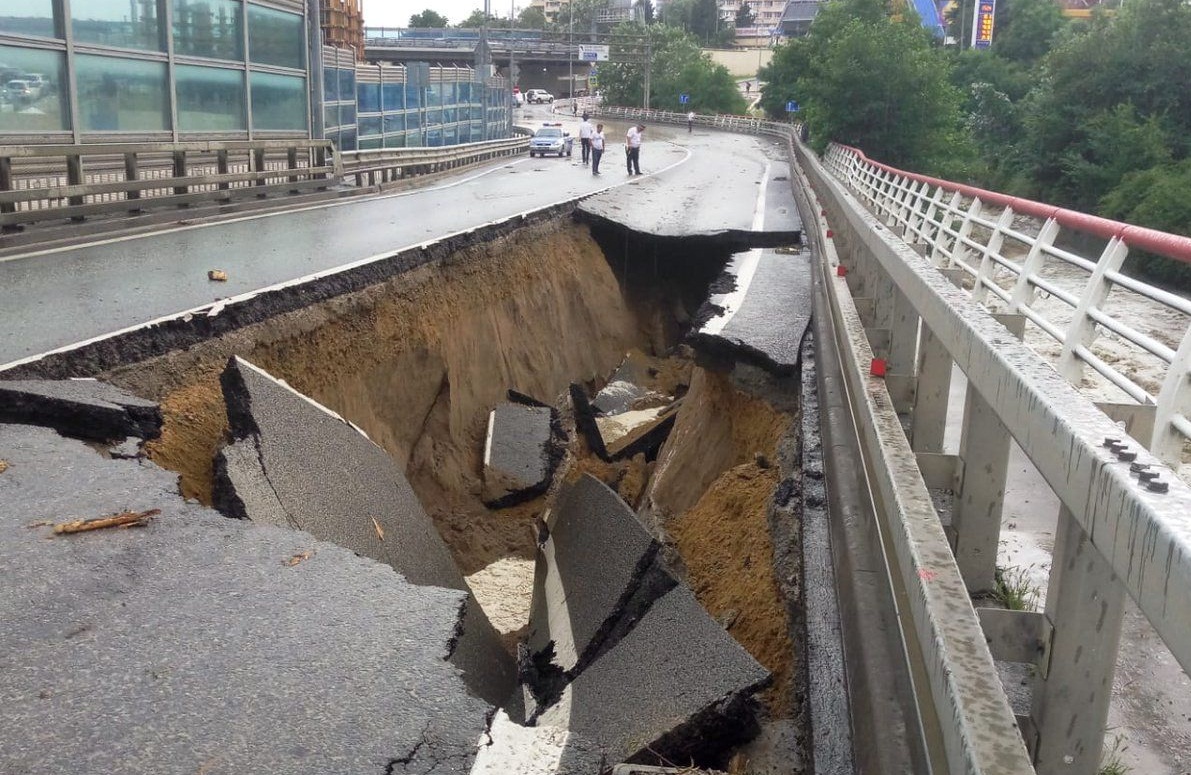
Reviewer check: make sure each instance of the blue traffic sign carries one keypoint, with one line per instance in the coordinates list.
(791, 107)
(684, 99)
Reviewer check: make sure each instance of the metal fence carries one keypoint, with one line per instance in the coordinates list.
(370, 168)
(1039, 261)
(54, 182)
(897, 246)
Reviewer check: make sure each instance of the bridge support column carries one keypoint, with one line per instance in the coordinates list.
(929, 420)
(984, 452)
(1085, 604)
(903, 352)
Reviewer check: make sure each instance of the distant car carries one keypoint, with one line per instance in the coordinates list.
(20, 91)
(551, 139)
(539, 96)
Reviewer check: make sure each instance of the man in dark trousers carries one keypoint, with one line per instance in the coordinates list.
(585, 130)
(632, 145)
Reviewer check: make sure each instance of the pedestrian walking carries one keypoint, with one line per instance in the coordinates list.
(632, 146)
(585, 131)
(574, 107)
(748, 87)
(597, 148)
(690, 122)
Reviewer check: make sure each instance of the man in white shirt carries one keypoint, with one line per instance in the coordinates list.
(632, 144)
(690, 122)
(597, 148)
(585, 131)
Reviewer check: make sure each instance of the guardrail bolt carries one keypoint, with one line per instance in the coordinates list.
(1157, 486)
(1137, 468)
(1109, 441)
(1145, 476)
(1125, 455)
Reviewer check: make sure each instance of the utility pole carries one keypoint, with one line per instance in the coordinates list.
(648, 67)
(571, 50)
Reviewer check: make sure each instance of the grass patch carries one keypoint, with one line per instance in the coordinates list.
(1013, 588)
(1111, 763)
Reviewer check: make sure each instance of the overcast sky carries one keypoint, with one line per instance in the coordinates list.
(396, 13)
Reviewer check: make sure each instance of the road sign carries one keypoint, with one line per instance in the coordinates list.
(684, 99)
(791, 107)
(593, 53)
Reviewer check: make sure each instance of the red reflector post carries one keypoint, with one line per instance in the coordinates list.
(841, 271)
(877, 367)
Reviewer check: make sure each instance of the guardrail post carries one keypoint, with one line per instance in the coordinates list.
(258, 165)
(1085, 603)
(1023, 289)
(988, 267)
(320, 160)
(1166, 442)
(6, 185)
(1082, 331)
(291, 161)
(180, 172)
(132, 173)
(74, 177)
(221, 167)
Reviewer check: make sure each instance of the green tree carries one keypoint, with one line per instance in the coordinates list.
(867, 80)
(1124, 80)
(1025, 29)
(745, 16)
(677, 66)
(428, 18)
(476, 20)
(531, 18)
(1160, 198)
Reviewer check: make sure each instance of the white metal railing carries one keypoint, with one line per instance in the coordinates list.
(1017, 257)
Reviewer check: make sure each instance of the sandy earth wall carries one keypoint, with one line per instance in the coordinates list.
(417, 362)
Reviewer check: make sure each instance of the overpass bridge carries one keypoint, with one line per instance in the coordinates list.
(957, 340)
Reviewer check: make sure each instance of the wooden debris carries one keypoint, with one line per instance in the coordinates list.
(123, 519)
(218, 275)
(3, 466)
(297, 558)
(380, 531)
(38, 523)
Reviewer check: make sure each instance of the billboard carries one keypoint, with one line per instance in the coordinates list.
(982, 25)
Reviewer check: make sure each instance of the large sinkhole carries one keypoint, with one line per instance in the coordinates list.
(590, 324)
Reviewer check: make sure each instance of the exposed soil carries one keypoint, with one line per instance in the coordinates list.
(711, 494)
(417, 362)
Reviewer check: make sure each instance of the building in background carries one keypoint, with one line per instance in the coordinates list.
(154, 70)
(343, 24)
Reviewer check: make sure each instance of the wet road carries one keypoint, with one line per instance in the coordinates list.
(61, 297)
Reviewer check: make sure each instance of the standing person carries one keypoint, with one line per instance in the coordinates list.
(597, 148)
(632, 145)
(690, 122)
(585, 130)
(748, 87)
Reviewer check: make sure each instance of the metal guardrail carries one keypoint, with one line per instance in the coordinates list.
(1122, 529)
(47, 182)
(1009, 249)
(728, 123)
(377, 167)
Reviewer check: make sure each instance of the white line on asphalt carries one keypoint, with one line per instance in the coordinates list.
(742, 266)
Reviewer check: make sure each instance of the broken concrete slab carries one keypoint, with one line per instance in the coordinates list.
(645, 437)
(676, 686)
(199, 643)
(519, 454)
(597, 572)
(295, 463)
(765, 318)
(83, 408)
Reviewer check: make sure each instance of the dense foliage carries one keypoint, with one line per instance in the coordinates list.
(1092, 115)
(677, 66)
(866, 78)
(428, 19)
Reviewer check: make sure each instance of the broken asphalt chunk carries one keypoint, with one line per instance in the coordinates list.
(188, 646)
(83, 408)
(676, 686)
(598, 572)
(520, 453)
(295, 463)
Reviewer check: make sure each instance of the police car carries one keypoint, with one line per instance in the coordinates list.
(551, 139)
